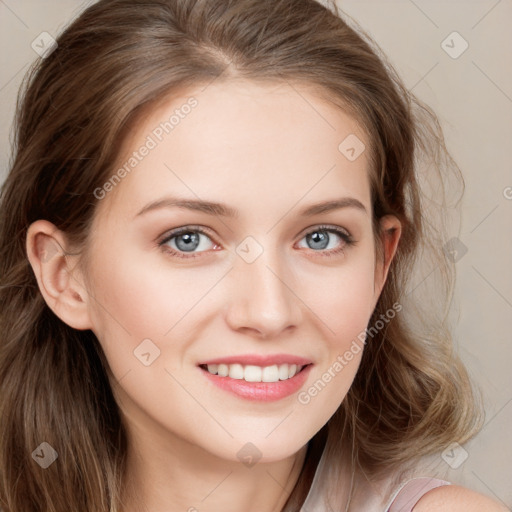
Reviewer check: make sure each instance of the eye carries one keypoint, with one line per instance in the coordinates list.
(327, 238)
(184, 242)
(191, 241)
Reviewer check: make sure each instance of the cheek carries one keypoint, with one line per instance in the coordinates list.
(344, 304)
(135, 300)
(343, 298)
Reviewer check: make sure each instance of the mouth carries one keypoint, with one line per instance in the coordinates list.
(254, 373)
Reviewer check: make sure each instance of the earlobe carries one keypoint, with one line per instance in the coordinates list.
(391, 230)
(59, 283)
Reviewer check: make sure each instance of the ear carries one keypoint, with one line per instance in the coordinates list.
(390, 232)
(57, 276)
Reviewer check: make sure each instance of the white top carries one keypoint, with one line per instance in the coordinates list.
(368, 497)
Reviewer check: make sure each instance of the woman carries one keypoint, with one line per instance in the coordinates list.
(207, 232)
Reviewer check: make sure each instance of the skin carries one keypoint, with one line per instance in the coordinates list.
(455, 498)
(268, 152)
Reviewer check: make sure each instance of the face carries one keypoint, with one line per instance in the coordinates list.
(263, 275)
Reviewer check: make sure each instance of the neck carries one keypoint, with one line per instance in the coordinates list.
(168, 474)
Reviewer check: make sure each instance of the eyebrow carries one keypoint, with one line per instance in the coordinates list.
(222, 210)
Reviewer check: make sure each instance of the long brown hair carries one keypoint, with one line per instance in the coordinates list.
(411, 395)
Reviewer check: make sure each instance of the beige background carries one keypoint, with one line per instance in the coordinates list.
(472, 95)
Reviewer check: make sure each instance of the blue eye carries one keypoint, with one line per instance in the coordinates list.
(321, 240)
(191, 241)
(185, 240)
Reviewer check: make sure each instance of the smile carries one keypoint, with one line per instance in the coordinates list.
(252, 373)
(248, 381)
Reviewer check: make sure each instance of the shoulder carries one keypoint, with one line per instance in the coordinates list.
(455, 498)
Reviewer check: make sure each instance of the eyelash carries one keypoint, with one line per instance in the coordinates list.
(345, 236)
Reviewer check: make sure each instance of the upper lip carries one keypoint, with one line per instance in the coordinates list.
(260, 360)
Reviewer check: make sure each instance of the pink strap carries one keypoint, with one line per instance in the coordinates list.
(412, 491)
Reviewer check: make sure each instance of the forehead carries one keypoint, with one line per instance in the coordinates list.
(244, 143)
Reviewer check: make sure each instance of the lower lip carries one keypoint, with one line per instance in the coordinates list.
(260, 391)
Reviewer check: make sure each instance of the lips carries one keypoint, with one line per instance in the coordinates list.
(259, 360)
(253, 389)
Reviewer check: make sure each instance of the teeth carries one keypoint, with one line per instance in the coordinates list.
(236, 371)
(252, 373)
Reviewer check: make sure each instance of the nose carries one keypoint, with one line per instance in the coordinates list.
(262, 299)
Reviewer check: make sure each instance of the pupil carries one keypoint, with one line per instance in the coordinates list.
(189, 241)
(321, 238)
